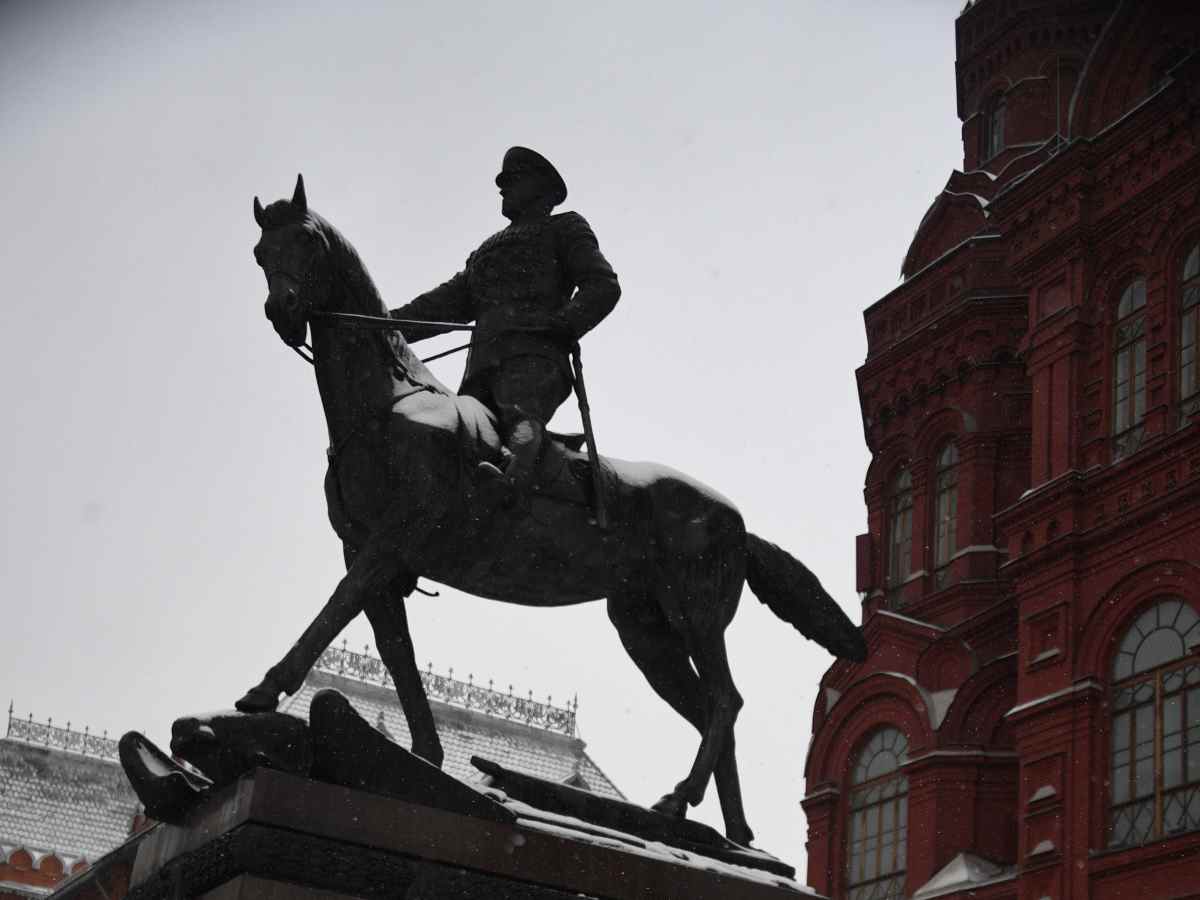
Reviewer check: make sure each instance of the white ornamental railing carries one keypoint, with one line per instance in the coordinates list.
(465, 694)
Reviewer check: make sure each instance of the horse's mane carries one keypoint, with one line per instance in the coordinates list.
(351, 286)
(349, 276)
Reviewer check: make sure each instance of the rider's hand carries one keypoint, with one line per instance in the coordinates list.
(560, 329)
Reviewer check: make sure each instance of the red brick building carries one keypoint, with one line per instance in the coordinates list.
(1028, 722)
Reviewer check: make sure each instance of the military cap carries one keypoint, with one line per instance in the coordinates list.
(522, 158)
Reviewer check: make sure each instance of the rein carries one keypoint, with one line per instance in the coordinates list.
(381, 323)
(385, 323)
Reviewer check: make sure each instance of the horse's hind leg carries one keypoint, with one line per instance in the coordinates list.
(724, 703)
(662, 657)
(698, 593)
(729, 792)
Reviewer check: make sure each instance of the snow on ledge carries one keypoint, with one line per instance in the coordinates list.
(909, 619)
(941, 705)
(831, 698)
(964, 871)
(1046, 846)
(1043, 793)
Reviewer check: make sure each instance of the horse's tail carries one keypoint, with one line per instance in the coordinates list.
(794, 594)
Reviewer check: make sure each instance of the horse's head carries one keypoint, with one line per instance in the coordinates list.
(293, 253)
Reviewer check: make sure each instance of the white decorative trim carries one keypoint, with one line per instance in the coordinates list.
(54, 737)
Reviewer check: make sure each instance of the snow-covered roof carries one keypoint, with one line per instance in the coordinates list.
(548, 752)
(964, 871)
(63, 791)
(60, 802)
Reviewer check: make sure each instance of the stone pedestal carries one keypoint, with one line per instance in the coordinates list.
(274, 835)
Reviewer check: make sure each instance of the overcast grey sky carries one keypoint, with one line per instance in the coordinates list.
(753, 171)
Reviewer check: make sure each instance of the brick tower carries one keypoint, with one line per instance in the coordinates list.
(1027, 724)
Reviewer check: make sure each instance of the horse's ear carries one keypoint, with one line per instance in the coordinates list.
(258, 214)
(298, 199)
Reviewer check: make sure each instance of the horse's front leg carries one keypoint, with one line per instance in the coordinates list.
(375, 567)
(390, 623)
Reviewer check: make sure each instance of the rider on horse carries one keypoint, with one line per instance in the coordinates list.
(533, 289)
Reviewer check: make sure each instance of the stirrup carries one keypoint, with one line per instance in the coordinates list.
(491, 471)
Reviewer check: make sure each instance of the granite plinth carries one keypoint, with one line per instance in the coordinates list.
(274, 835)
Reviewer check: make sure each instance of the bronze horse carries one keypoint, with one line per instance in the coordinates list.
(403, 497)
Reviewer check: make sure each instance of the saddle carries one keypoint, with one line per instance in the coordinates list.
(573, 441)
(564, 473)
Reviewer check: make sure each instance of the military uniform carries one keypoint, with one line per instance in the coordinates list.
(533, 289)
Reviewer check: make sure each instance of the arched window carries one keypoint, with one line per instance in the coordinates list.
(993, 127)
(1189, 337)
(945, 511)
(1155, 757)
(877, 836)
(900, 502)
(1129, 368)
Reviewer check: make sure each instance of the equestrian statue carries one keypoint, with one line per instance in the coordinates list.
(469, 489)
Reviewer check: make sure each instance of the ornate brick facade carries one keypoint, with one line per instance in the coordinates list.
(1032, 558)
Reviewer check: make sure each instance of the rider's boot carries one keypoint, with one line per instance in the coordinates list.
(522, 456)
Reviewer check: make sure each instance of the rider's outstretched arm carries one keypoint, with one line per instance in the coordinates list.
(448, 302)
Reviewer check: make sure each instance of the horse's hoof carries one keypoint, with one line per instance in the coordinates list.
(672, 805)
(434, 757)
(259, 698)
(742, 836)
